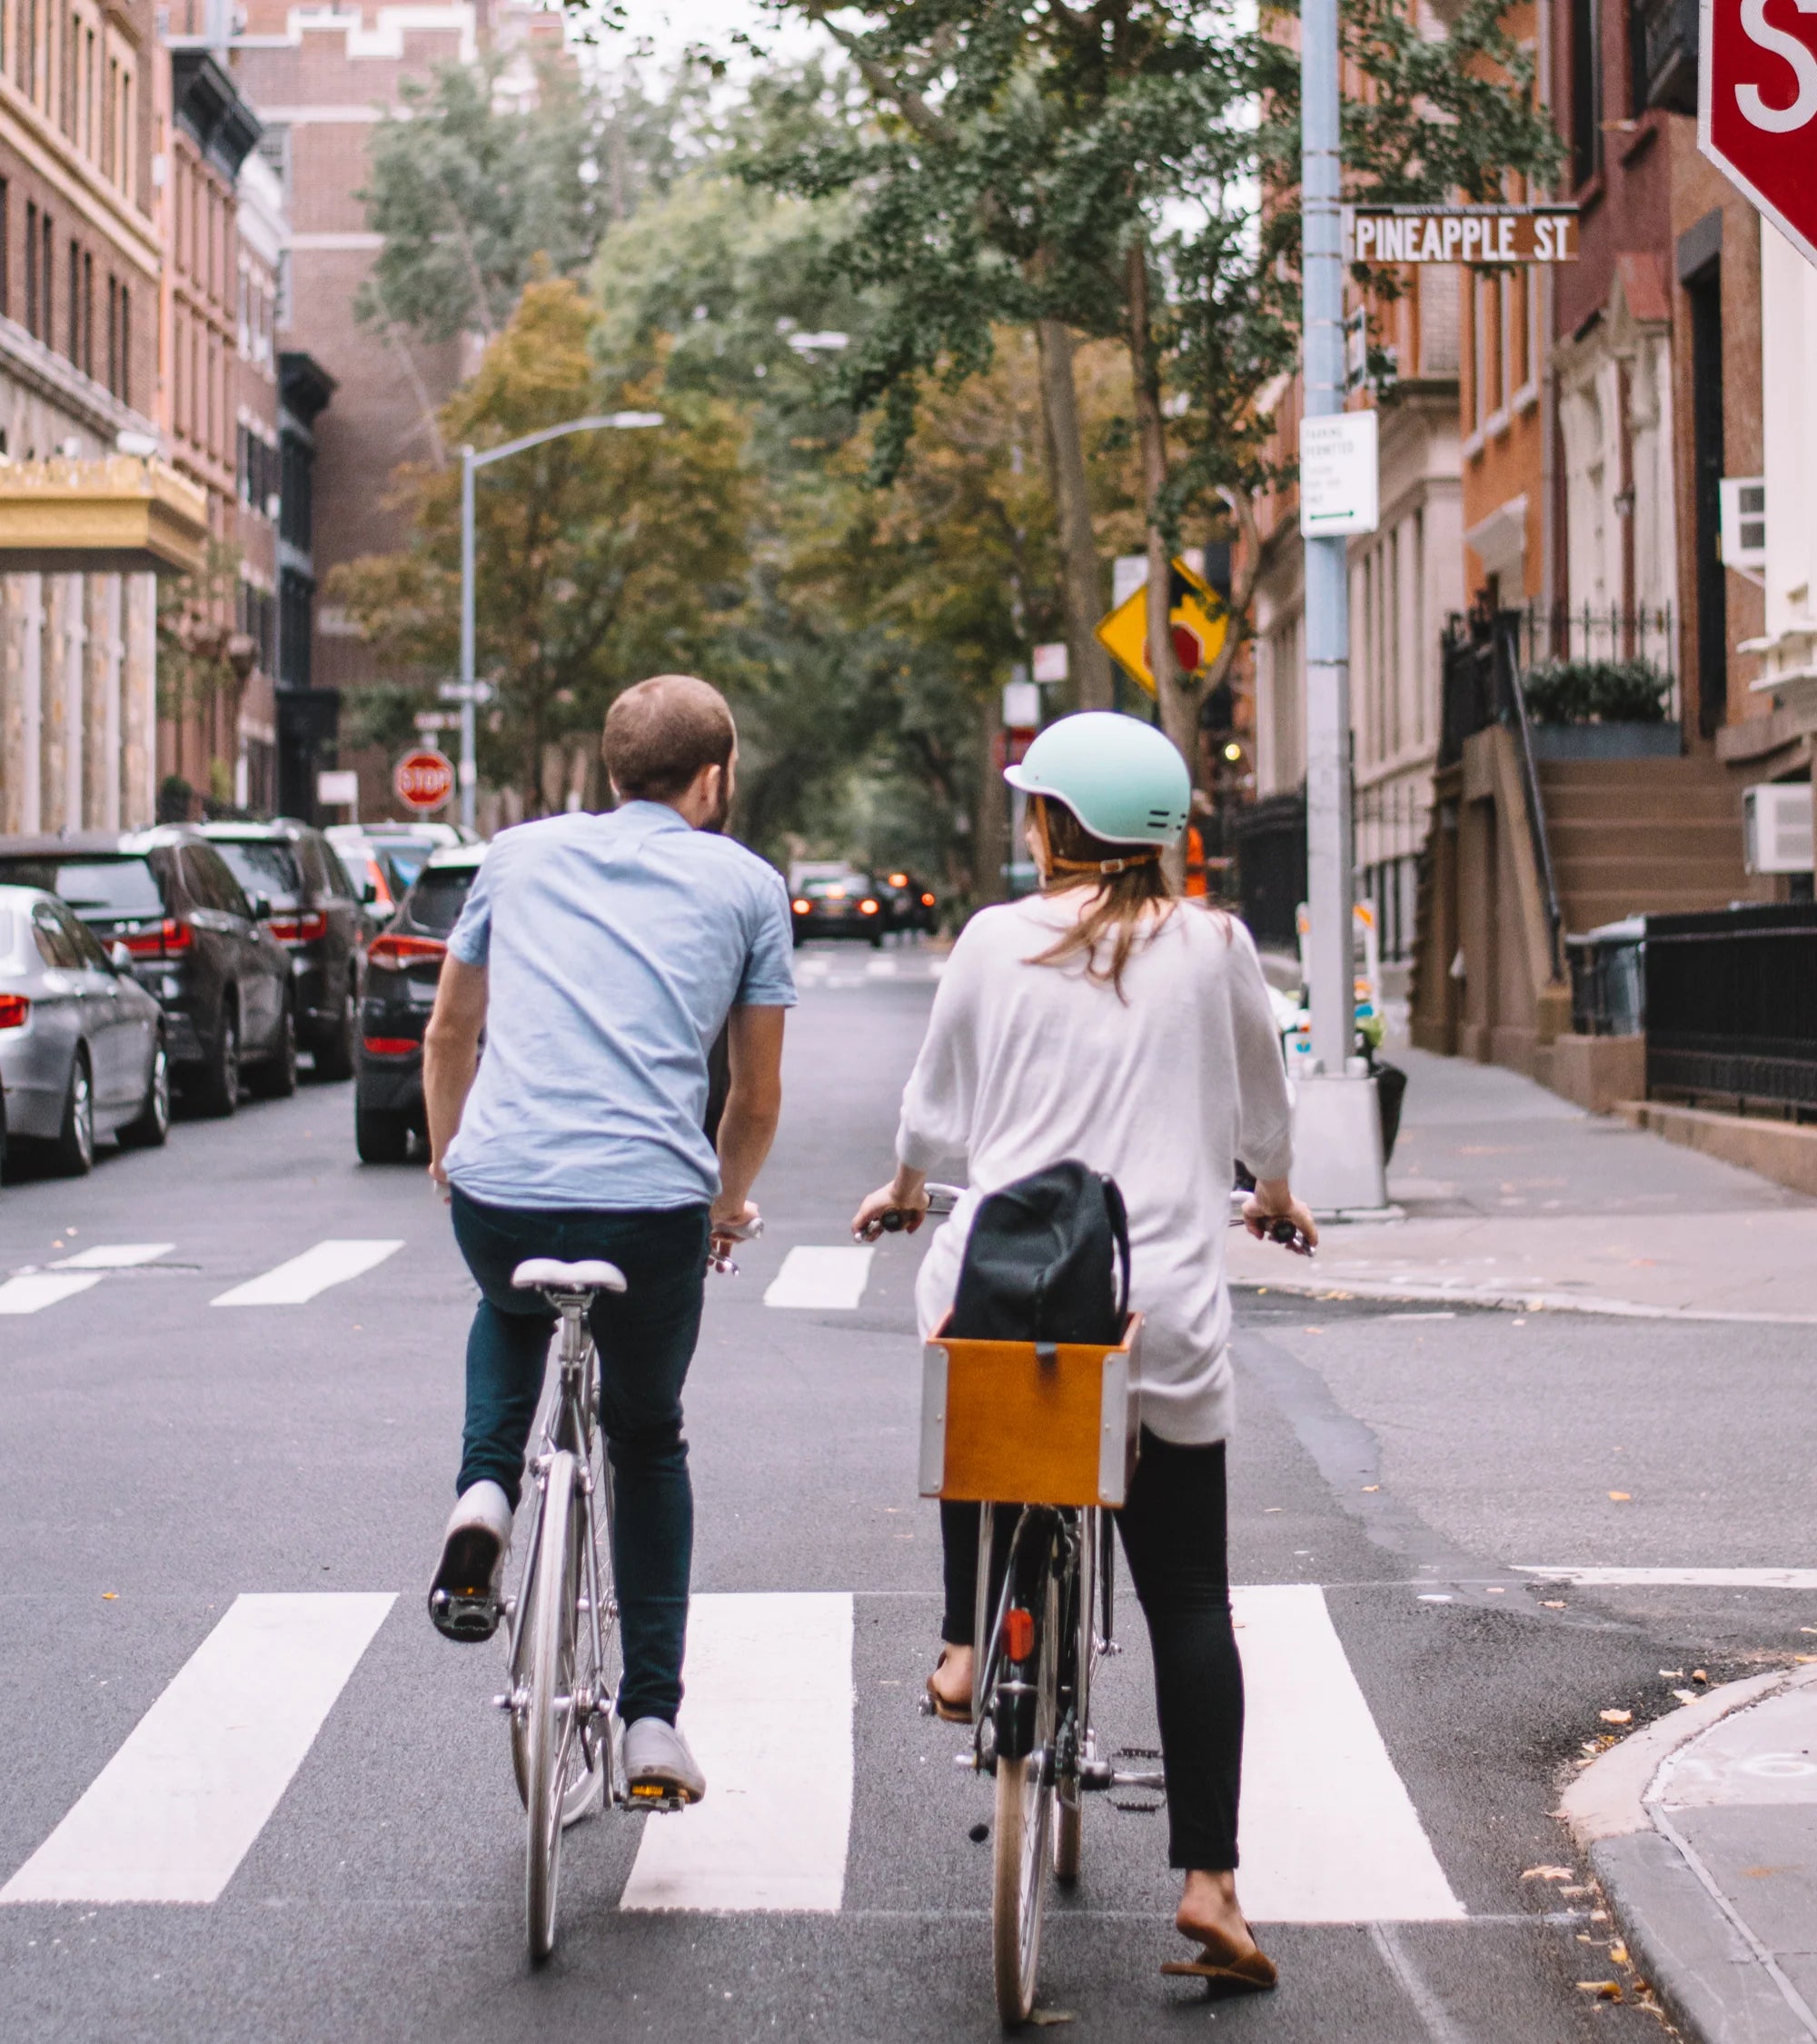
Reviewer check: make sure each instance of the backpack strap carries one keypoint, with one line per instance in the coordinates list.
(1119, 1230)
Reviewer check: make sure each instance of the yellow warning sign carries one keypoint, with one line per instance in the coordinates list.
(1194, 612)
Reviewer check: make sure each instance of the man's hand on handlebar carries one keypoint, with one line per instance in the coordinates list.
(730, 1224)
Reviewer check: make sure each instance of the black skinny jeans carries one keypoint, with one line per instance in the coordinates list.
(1175, 1537)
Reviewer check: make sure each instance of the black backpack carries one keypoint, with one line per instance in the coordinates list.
(1047, 1261)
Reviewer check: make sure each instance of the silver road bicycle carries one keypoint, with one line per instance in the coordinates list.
(565, 1657)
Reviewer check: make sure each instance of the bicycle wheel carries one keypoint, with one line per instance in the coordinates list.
(553, 1745)
(1079, 1657)
(1025, 1802)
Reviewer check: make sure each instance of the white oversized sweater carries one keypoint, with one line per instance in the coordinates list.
(1025, 1065)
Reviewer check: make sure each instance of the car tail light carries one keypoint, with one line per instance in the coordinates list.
(14, 1010)
(171, 935)
(899, 879)
(398, 954)
(305, 928)
(927, 901)
(390, 1047)
(867, 907)
(1018, 1634)
(800, 907)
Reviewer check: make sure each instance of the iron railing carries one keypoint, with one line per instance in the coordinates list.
(1732, 1007)
(1270, 841)
(1484, 658)
(1608, 980)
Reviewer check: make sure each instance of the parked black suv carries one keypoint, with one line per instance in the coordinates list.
(402, 969)
(195, 942)
(314, 916)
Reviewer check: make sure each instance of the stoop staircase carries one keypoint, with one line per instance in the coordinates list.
(1639, 836)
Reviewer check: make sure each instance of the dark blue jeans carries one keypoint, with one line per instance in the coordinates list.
(645, 1336)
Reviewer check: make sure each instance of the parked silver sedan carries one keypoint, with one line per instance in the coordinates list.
(82, 1044)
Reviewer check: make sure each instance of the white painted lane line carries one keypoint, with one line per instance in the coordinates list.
(1329, 1832)
(768, 1713)
(822, 1278)
(175, 1811)
(1673, 1579)
(115, 1255)
(42, 1288)
(880, 968)
(298, 1281)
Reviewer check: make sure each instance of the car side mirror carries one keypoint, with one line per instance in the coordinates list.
(119, 957)
(262, 908)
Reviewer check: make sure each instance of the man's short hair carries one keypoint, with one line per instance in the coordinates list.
(660, 733)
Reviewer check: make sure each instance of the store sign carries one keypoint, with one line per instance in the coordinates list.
(1461, 233)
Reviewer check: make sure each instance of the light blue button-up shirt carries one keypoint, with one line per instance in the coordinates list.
(615, 945)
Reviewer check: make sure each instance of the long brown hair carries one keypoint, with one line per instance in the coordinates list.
(1125, 879)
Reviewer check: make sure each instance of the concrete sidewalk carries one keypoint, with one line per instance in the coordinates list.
(1513, 1198)
(1703, 1830)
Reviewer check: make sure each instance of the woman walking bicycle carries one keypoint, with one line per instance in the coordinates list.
(1105, 1020)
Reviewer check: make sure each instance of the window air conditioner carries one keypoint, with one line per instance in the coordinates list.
(1776, 834)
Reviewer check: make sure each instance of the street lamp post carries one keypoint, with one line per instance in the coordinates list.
(471, 461)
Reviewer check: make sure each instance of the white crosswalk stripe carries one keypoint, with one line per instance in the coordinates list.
(821, 1279)
(770, 1717)
(68, 1277)
(41, 1288)
(302, 1277)
(178, 1806)
(1330, 1832)
(1671, 1578)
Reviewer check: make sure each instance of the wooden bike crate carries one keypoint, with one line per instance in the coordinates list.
(1029, 1422)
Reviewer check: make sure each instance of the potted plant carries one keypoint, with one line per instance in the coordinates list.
(1599, 709)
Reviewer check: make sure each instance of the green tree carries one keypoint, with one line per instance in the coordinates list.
(1129, 170)
(600, 557)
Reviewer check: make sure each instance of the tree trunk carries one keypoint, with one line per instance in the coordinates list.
(1081, 576)
(990, 827)
(1177, 694)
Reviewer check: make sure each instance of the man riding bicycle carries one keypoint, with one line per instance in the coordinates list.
(601, 956)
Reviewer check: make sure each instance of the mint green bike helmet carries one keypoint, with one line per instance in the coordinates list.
(1124, 780)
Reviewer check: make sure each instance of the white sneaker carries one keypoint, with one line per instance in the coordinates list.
(465, 1600)
(659, 1767)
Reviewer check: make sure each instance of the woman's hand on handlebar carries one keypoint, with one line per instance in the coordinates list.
(901, 1205)
(1271, 1205)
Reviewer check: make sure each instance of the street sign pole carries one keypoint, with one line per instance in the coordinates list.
(470, 766)
(1337, 1141)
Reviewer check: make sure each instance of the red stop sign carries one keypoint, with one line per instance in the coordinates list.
(424, 780)
(1757, 107)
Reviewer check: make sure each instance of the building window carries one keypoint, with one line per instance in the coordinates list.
(31, 268)
(1586, 91)
(126, 391)
(75, 349)
(5, 244)
(46, 262)
(114, 336)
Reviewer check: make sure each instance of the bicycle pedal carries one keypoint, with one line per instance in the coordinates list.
(1138, 1809)
(652, 1795)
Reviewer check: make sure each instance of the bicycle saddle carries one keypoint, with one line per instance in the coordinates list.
(546, 1273)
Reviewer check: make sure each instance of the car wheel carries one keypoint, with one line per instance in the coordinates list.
(148, 1129)
(73, 1150)
(275, 1079)
(334, 1054)
(217, 1091)
(379, 1135)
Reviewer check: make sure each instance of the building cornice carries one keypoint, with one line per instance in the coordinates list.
(119, 515)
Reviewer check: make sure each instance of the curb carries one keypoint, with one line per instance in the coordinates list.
(1708, 1970)
(1413, 1292)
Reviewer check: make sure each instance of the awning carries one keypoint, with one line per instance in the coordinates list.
(118, 515)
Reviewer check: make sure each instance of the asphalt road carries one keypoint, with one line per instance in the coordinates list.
(161, 1456)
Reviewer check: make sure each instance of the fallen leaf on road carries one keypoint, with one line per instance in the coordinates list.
(1672, 1674)
(1807, 1628)
(1553, 1603)
(1605, 1990)
(1372, 1487)
(1619, 1953)
(110, 1595)
(1698, 1675)
(1685, 1695)
(1040, 2017)
(1620, 1497)
(1546, 1873)
(1616, 1717)
(1804, 1657)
